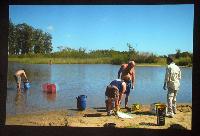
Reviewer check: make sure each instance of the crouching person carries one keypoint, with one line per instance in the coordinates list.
(114, 93)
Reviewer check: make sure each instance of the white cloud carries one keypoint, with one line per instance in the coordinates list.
(50, 28)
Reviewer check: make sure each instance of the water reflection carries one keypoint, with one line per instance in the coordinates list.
(50, 97)
(20, 99)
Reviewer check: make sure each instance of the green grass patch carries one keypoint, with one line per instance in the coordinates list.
(61, 60)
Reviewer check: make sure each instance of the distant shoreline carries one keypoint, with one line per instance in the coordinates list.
(76, 61)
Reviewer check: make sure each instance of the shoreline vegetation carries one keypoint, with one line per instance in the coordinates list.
(96, 117)
(105, 60)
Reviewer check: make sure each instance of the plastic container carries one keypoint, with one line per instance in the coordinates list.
(160, 116)
(27, 85)
(81, 102)
(135, 107)
(154, 106)
(49, 88)
(44, 86)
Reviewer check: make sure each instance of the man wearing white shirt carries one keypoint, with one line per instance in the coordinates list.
(172, 81)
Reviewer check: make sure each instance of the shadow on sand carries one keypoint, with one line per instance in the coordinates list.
(147, 124)
(100, 109)
(93, 115)
(144, 113)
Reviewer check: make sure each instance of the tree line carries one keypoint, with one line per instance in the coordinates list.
(24, 39)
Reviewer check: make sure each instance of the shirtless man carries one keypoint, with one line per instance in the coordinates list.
(18, 75)
(127, 71)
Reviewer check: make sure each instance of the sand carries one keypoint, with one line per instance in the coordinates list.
(96, 117)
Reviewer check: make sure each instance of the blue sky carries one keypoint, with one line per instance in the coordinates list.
(160, 29)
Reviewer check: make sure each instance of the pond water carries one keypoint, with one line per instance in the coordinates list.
(91, 80)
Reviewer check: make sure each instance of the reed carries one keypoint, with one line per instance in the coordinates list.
(61, 60)
(93, 60)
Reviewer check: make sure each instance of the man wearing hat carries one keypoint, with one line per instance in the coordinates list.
(172, 82)
(127, 73)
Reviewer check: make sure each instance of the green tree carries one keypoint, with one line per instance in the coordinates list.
(178, 53)
(12, 43)
(38, 41)
(131, 52)
(24, 38)
(47, 43)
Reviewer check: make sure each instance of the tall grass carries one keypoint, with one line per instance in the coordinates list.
(184, 61)
(115, 59)
(61, 60)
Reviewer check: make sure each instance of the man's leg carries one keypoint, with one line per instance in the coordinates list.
(126, 101)
(18, 82)
(170, 96)
(174, 102)
(128, 89)
(110, 106)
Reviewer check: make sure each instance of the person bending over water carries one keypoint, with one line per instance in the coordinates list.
(18, 77)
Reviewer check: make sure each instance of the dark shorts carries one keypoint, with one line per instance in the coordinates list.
(17, 79)
(128, 88)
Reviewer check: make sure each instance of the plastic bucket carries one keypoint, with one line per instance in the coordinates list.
(27, 85)
(81, 102)
(154, 106)
(161, 116)
(160, 111)
(135, 107)
(44, 87)
(51, 88)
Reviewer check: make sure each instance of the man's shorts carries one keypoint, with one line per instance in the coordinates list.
(128, 88)
(17, 79)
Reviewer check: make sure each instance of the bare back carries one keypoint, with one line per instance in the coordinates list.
(20, 73)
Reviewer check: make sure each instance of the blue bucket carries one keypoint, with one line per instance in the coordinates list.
(27, 85)
(81, 102)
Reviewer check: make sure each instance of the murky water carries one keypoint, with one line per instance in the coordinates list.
(73, 80)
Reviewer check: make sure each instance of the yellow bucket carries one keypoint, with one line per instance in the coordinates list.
(135, 107)
(160, 106)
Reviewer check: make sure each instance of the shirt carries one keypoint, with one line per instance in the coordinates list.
(117, 83)
(173, 76)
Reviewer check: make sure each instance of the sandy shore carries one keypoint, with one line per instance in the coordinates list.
(96, 117)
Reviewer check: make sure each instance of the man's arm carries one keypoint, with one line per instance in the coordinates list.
(25, 75)
(133, 77)
(166, 78)
(119, 72)
(179, 74)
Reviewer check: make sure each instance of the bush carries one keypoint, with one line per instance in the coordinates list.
(117, 60)
(184, 61)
